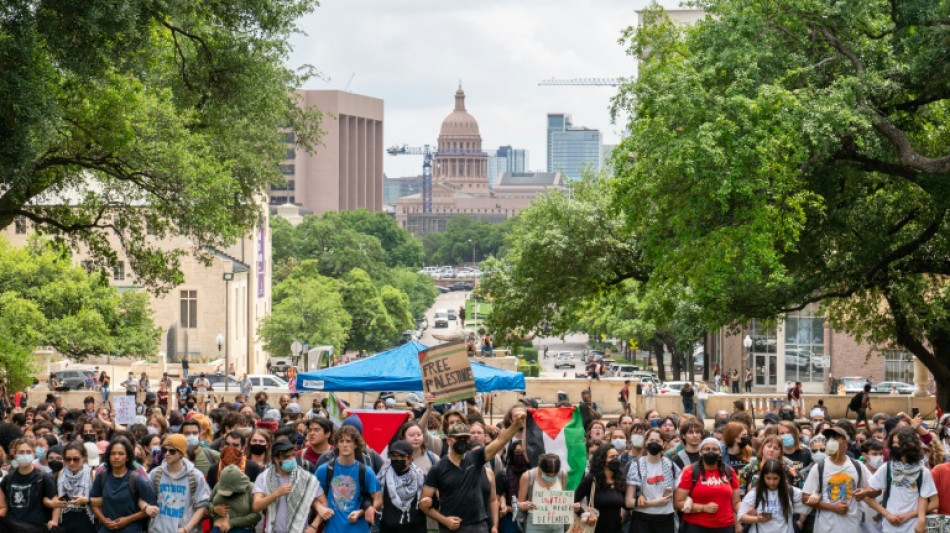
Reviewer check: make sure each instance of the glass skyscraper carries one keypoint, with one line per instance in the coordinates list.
(571, 148)
(505, 159)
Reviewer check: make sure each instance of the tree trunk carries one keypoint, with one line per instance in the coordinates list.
(656, 348)
(706, 357)
(937, 360)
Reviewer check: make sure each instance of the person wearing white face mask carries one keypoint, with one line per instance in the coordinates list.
(833, 483)
(547, 475)
(28, 499)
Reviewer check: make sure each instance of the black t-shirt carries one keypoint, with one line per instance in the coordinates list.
(25, 495)
(608, 500)
(392, 517)
(678, 458)
(800, 459)
(460, 487)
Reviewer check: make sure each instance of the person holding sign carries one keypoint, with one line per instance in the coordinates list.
(457, 478)
(535, 490)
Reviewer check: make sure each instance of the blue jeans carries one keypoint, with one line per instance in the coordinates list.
(702, 409)
(688, 408)
(105, 394)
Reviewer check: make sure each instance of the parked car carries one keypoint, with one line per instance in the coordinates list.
(885, 387)
(674, 387)
(645, 377)
(70, 379)
(268, 383)
(853, 384)
(626, 371)
(442, 318)
(453, 313)
(422, 324)
(461, 286)
(217, 381)
(565, 359)
(442, 289)
(408, 336)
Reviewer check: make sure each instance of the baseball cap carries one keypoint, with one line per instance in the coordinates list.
(272, 414)
(92, 454)
(281, 446)
(834, 433)
(458, 429)
(401, 447)
(771, 417)
(390, 402)
(292, 409)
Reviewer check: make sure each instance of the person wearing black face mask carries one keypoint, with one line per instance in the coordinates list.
(261, 406)
(736, 439)
(708, 493)
(608, 485)
(651, 480)
(402, 483)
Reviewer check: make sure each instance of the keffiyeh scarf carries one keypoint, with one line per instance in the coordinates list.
(403, 489)
(901, 471)
(75, 485)
(299, 500)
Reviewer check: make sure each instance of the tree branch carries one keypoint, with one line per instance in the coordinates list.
(909, 157)
(843, 50)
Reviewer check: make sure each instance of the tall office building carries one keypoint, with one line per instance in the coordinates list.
(345, 171)
(396, 188)
(505, 160)
(571, 148)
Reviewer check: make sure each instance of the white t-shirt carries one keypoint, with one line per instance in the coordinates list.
(779, 523)
(903, 496)
(280, 521)
(652, 483)
(838, 486)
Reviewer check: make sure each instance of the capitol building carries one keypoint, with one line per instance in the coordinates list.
(460, 184)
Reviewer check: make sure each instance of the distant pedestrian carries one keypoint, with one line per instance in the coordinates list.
(735, 381)
(624, 397)
(748, 381)
(184, 366)
(702, 394)
(688, 395)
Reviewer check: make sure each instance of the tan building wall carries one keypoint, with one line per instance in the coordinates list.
(233, 308)
(345, 171)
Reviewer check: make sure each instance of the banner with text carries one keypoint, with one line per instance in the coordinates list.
(446, 373)
(553, 506)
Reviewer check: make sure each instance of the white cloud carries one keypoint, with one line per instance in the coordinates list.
(412, 54)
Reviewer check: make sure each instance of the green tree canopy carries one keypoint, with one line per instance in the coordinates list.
(46, 300)
(794, 152)
(146, 118)
(307, 308)
(454, 245)
(372, 327)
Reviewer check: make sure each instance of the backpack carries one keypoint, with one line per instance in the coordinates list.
(887, 488)
(856, 401)
(698, 469)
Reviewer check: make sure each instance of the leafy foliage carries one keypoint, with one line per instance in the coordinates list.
(795, 152)
(454, 245)
(45, 300)
(123, 120)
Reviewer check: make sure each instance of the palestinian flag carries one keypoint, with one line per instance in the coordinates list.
(558, 430)
(335, 408)
(379, 427)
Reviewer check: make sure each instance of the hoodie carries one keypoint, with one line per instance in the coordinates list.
(240, 496)
(176, 504)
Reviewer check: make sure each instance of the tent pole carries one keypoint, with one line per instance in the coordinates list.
(363, 400)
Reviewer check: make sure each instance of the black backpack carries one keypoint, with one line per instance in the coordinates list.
(856, 401)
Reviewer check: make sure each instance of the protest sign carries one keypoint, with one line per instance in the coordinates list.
(124, 409)
(446, 373)
(553, 506)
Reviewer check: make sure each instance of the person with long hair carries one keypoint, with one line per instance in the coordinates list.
(905, 483)
(771, 448)
(28, 501)
(651, 480)
(708, 493)
(548, 476)
(118, 494)
(771, 505)
(344, 485)
(258, 448)
(736, 438)
(792, 445)
(609, 487)
(74, 484)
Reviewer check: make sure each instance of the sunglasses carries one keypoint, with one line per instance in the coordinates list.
(822, 450)
(169, 451)
(73, 459)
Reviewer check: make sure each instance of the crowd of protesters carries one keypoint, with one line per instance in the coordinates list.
(194, 461)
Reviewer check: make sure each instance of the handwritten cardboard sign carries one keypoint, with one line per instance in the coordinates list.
(553, 506)
(124, 409)
(446, 373)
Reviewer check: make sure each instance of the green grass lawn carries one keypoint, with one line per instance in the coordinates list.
(471, 306)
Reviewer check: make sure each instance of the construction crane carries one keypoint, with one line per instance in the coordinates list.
(428, 154)
(613, 82)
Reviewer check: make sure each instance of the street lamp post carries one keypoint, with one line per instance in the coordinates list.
(219, 340)
(747, 342)
(473, 252)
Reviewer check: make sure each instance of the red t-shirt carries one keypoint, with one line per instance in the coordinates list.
(941, 475)
(711, 487)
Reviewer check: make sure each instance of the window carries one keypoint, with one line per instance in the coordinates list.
(118, 273)
(286, 170)
(291, 153)
(20, 225)
(256, 382)
(898, 366)
(805, 346)
(189, 309)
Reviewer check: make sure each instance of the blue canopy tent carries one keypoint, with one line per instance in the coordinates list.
(398, 370)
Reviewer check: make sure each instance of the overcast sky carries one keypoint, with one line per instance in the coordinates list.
(412, 54)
